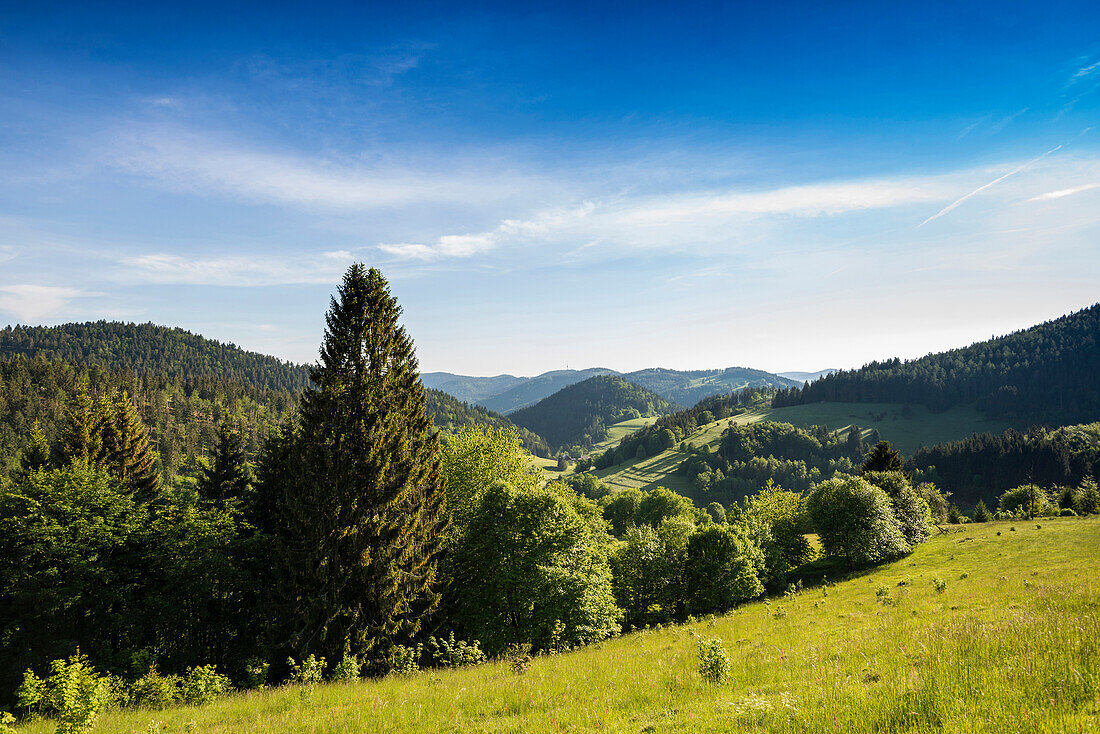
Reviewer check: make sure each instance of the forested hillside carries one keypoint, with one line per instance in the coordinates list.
(152, 350)
(1045, 374)
(180, 413)
(450, 414)
(534, 389)
(688, 388)
(984, 466)
(579, 415)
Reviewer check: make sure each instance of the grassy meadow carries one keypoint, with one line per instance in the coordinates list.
(1011, 643)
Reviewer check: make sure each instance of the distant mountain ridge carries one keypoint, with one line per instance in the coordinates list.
(681, 387)
(807, 376)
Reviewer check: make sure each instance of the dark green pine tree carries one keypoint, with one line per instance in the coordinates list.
(36, 452)
(357, 507)
(126, 451)
(228, 474)
(882, 457)
(81, 438)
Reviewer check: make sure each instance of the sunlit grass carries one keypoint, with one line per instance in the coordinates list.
(1011, 644)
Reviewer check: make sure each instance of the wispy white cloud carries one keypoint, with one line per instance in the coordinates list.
(509, 231)
(953, 205)
(1085, 71)
(164, 268)
(29, 302)
(202, 164)
(1063, 192)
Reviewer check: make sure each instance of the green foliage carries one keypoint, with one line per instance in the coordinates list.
(7, 723)
(405, 660)
(530, 559)
(580, 414)
(647, 570)
(783, 513)
(353, 494)
(981, 513)
(1044, 374)
(721, 569)
(153, 690)
(347, 669)
(911, 511)
(855, 521)
(228, 474)
(1027, 500)
(474, 458)
(451, 653)
(1087, 498)
(714, 661)
(450, 415)
(939, 584)
(75, 694)
(882, 458)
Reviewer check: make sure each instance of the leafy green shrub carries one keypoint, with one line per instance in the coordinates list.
(202, 685)
(452, 653)
(722, 569)
(714, 662)
(347, 669)
(912, 512)
(939, 584)
(155, 691)
(1067, 512)
(1087, 498)
(405, 660)
(256, 671)
(7, 722)
(76, 694)
(309, 672)
(30, 696)
(1027, 500)
(855, 521)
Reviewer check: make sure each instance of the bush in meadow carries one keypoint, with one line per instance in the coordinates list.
(855, 521)
(714, 661)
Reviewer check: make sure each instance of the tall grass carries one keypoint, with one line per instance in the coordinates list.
(1011, 644)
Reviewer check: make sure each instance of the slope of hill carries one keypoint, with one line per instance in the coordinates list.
(181, 382)
(1045, 374)
(534, 389)
(989, 654)
(152, 350)
(580, 414)
(688, 388)
(470, 389)
(450, 414)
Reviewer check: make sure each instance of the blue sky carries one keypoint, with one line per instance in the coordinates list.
(783, 186)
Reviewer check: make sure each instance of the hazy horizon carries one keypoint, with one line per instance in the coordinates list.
(782, 188)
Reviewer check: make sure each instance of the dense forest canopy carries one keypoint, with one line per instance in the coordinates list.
(153, 350)
(1045, 374)
(579, 415)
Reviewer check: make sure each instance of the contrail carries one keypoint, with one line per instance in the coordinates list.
(980, 189)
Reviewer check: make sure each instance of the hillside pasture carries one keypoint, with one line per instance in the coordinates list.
(1009, 642)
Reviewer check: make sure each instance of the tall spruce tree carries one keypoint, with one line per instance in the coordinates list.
(228, 474)
(357, 503)
(36, 453)
(882, 457)
(81, 437)
(126, 451)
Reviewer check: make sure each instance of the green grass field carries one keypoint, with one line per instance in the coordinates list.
(1012, 644)
(616, 432)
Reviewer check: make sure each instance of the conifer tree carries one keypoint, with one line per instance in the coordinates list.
(882, 457)
(81, 437)
(126, 451)
(228, 474)
(36, 454)
(358, 504)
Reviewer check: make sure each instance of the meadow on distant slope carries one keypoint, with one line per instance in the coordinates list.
(988, 628)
